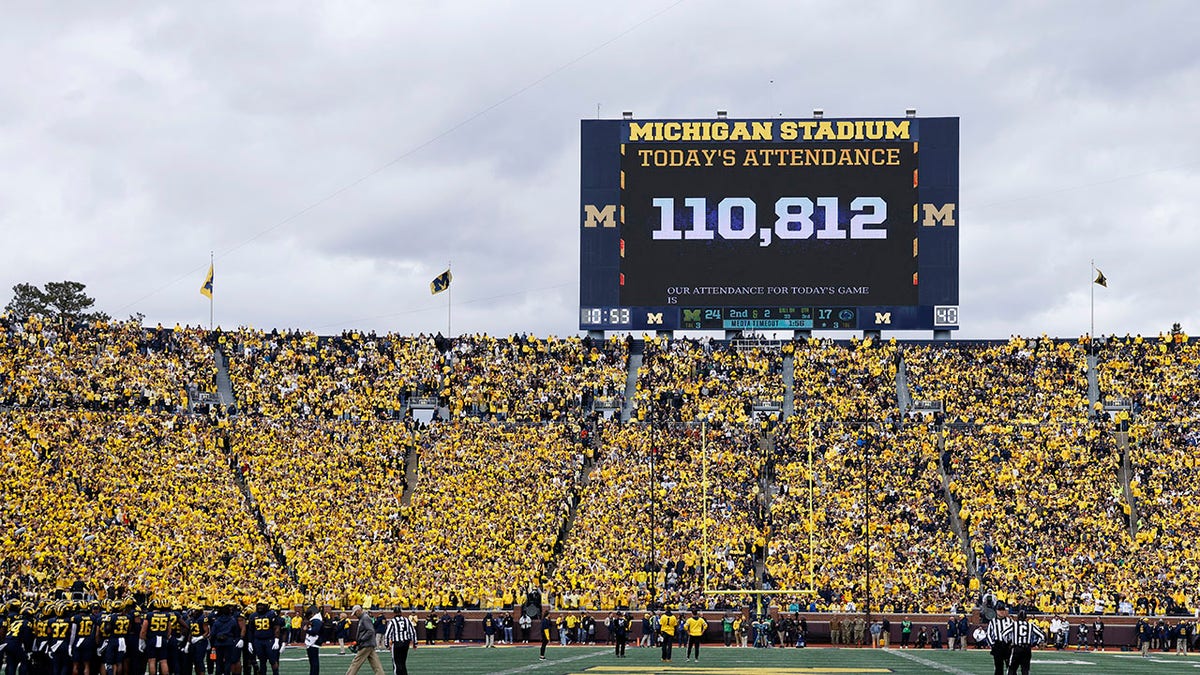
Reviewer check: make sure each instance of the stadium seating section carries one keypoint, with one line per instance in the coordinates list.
(801, 464)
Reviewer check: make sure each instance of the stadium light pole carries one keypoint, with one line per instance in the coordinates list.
(654, 438)
(704, 502)
(657, 419)
(867, 516)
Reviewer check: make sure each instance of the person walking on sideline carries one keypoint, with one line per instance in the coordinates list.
(366, 641)
(401, 634)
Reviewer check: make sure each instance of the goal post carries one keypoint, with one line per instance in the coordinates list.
(757, 593)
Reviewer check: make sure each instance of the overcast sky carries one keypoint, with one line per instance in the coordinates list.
(336, 155)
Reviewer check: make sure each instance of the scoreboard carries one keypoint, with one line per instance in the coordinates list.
(790, 224)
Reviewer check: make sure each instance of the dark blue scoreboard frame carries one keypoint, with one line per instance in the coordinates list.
(750, 292)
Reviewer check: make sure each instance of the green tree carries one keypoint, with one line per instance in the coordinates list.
(27, 300)
(65, 300)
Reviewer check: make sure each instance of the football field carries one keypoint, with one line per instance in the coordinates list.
(474, 660)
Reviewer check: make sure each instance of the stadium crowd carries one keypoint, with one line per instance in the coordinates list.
(864, 472)
(107, 366)
(365, 376)
(1035, 477)
(141, 500)
(320, 484)
(1159, 381)
(642, 529)
(351, 376)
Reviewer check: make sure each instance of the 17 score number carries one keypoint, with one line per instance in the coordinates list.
(796, 218)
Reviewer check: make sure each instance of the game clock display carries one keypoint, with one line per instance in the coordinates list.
(608, 317)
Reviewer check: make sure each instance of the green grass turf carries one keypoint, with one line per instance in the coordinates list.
(474, 660)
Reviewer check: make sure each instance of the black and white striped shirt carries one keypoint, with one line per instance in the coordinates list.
(1025, 634)
(1000, 630)
(400, 630)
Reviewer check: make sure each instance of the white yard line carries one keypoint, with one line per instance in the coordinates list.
(926, 662)
(542, 664)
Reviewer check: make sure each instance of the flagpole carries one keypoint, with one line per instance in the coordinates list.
(1092, 283)
(210, 295)
(449, 299)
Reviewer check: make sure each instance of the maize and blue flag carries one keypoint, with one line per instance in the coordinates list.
(1101, 279)
(207, 289)
(440, 283)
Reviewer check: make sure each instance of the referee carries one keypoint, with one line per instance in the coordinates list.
(1000, 636)
(1025, 636)
(400, 634)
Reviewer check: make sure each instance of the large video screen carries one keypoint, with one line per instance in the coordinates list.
(769, 224)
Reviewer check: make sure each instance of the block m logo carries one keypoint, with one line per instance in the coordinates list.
(605, 217)
(654, 319)
(935, 214)
(883, 318)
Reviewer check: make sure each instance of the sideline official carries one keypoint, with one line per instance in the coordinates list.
(1025, 636)
(1000, 636)
(400, 634)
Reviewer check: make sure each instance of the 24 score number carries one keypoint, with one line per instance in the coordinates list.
(796, 218)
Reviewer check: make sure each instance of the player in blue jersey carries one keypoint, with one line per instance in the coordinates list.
(178, 645)
(59, 646)
(18, 642)
(6, 617)
(83, 637)
(39, 657)
(264, 632)
(154, 637)
(113, 628)
(135, 655)
(249, 664)
(197, 639)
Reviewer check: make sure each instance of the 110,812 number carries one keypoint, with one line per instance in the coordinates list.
(795, 219)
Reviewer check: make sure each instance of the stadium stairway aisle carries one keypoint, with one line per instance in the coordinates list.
(789, 381)
(768, 491)
(903, 396)
(1126, 476)
(631, 377)
(953, 507)
(224, 384)
(239, 479)
(412, 468)
(568, 524)
(1093, 381)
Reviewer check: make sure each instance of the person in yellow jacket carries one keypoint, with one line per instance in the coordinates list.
(667, 626)
(695, 627)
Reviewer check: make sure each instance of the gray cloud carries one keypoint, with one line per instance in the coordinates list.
(137, 137)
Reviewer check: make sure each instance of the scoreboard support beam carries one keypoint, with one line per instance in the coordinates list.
(941, 334)
(596, 335)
